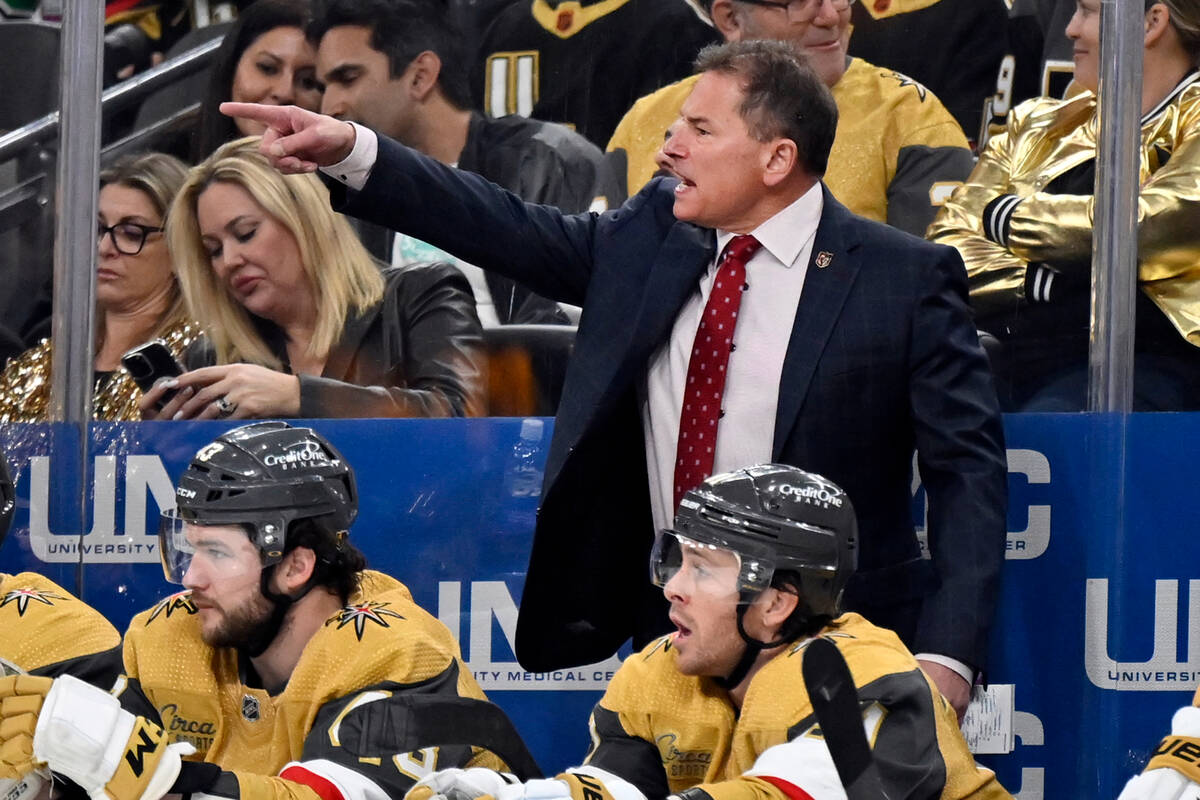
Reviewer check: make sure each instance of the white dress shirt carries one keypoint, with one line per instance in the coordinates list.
(745, 432)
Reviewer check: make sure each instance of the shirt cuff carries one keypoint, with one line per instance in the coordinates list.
(354, 169)
(962, 669)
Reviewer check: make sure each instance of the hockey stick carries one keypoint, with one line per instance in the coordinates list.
(835, 701)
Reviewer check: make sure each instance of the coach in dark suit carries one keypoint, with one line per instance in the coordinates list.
(853, 345)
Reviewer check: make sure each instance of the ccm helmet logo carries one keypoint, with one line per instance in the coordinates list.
(811, 493)
(304, 454)
(188, 493)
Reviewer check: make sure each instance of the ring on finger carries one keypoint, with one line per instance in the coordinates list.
(225, 406)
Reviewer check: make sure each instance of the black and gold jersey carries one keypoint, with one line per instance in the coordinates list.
(46, 630)
(667, 732)
(350, 716)
(951, 46)
(583, 63)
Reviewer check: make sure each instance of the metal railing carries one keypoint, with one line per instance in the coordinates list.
(116, 98)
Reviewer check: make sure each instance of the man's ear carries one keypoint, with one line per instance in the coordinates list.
(781, 159)
(421, 77)
(295, 569)
(773, 607)
(726, 20)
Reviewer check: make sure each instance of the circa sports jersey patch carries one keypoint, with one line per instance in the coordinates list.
(360, 613)
(180, 601)
(22, 597)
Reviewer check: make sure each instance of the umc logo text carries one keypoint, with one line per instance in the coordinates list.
(1164, 671)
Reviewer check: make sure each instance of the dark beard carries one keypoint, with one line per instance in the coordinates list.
(244, 626)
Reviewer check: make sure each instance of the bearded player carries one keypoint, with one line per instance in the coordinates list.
(285, 671)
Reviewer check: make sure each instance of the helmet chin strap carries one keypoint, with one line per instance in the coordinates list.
(749, 652)
(266, 632)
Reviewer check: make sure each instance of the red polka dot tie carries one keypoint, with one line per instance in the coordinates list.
(701, 410)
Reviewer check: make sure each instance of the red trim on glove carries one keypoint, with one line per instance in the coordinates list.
(790, 789)
(319, 784)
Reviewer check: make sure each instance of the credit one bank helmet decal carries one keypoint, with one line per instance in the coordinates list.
(263, 476)
(774, 517)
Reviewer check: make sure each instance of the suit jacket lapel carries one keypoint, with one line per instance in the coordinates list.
(832, 270)
(682, 259)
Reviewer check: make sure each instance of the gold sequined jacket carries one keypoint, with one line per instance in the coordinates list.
(25, 384)
(1044, 139)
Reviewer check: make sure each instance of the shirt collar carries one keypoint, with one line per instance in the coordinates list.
(779, 234)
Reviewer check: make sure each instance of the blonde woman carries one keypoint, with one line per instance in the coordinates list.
(137, 295)
(300, 320)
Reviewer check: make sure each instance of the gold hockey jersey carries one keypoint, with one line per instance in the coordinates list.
(896, 157)
(46, 630)
(379, 648)
(1046, 138)
(667, 732)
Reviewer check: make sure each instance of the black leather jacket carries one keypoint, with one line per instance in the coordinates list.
(417, 353)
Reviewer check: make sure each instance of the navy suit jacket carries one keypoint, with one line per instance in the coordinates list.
(883, 358)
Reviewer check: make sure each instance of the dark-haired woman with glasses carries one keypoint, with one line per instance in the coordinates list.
(137, 294)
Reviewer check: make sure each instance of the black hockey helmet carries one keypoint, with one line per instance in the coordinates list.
(8, 497)
(265, 476)
(774, 518)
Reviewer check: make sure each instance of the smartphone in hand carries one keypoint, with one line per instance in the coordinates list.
(150, 362)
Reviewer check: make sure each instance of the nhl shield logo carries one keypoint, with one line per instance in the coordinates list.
(250, 708)
(824, 259)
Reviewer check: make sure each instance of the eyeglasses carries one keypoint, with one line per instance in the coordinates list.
(801, 10)
(128, 237)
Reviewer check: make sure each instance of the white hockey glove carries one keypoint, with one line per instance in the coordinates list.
(461, 784)
(83, 733)
(585, 783)
(1173, 772)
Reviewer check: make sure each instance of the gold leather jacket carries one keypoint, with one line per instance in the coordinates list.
(1044, 139)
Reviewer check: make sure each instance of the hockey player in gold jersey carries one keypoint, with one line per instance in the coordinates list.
(754, 569)
(44, 629)
(285, 671)
(898, 153)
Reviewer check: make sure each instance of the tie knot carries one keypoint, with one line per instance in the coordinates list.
(742, 248)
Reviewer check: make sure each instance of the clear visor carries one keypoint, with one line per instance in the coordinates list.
(221, 551)
(706, 567)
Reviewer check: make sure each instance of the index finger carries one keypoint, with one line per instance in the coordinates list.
(275, 116)
(202, 376)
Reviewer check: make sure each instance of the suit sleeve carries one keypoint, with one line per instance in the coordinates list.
(477, 221)
(961, 456)
(435, 354)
